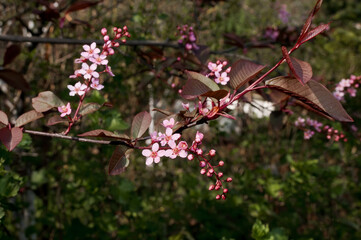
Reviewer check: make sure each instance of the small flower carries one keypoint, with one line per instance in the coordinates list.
(65, 110)
(169, 137)
(175, 151)
(99, 59)
(199, 137)
(76, 74)
(96, 85)
(214, 67)
(182, 145)
(153, 155)
(78, 88)
(90, 50)
(169, 123)
(221, 78)
(89, 71)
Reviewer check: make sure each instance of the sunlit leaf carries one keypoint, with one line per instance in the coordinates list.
(242, 72)
(28, 117)
(11, 138)
(313, 94)
(140, 124)
(46, 101)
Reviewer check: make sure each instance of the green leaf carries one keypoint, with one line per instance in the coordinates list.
(260, 231)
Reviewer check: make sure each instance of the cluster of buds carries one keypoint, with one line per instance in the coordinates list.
(187, 37)
(347, 86)
(169, 144)
(309, 126)
(219, 75)
(91, 59)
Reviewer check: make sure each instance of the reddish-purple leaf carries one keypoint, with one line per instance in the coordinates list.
(14, 79)
(4, 118)
(242, 72)
(46, 101)
(79, 5)
(11, 138)
(11, 53)
(104, 134)
(301, 70)
(56, 120)
(313, 94)
(216, 94)
(197, 85)
(308, 22)
(28, 117)
(88, 108)
(140, 124)
(314, 32)
(119, 160)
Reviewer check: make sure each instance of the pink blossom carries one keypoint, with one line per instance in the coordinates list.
(308, 134)
(90, 50)
(65, 110)
(76, 74)
(199, 137)
(96, 85)
(169, 123)
(80, 60)
(169, 137)
(99, 59)
(182, 145)
(154, 136)
(89, 71)
(300, 122)
(214, 67)
(188, 46)
(221, 78)
(78, 88)
(153, 155)
(175, 151)
(108, 69)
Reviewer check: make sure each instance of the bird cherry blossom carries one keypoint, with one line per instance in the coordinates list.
(99, 59)
(64, 110)
(214, 67)
(169, 137)
(90, 50)
(169, 123)
(89, 71)
(153, 155)
(221, 78)
(78, 88)
(96, 85)
(175, 151)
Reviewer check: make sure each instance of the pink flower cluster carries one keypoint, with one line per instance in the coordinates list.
(187, 37)
(92, 58)
(216, 72)
(347, 86)
(172, 147)
(271, 33)
(331, 133)
(283, 14)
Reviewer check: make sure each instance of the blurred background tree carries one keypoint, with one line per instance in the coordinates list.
(283, 186)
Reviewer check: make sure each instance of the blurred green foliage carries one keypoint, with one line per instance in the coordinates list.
(283, 186)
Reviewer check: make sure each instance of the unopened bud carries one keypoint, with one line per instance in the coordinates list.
(203, 171)
(104, 31)
(115, 29)
(223, 197)
(229, 179)
(217, 187)
(218, 197)
(199, 151)
(225, 190)
(190, 157)
(118, 36)
(106, 38)
(202, 164)
(110, 51)
(209, 174)
(221, 163)
(124, 40)
(212, 152)
(220, 174)
(125, 28)
(211, 171)
(119, 30)
(211, 187)
(116, 44)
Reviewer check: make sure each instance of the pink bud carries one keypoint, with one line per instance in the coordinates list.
(199, 151)
(221, 163)
(225, 190)
(118, 36)
(115, 29)
(229, 179)
(217, 187)
(124, 40)
(119, 30)
(211, 187)
(110, 51)
(125, 28)
(190, 157)
(209, 174)
(116, 44)
(106, 38)
(202, 164)
(220, 174)
(218, 197)
(212, 152)
(224, 63)
(211, 171)
(223, 197)
(103, 31)
(203, 171)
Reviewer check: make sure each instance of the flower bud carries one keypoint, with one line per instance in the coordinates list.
(103, 31)
(220, 174)
(211, 171)
(119, 30)
(212, 152)
(223, 197)
(229, 179)
(116, 44)
(115, 29)
(225, 190)
(217, 187)
(209, 174)
(218, 197)
(203, 171)
(190, 157)
(202, 164)
(106, 38)
(211, 187)
(199, 151)
(118, 36)
(221, 163)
